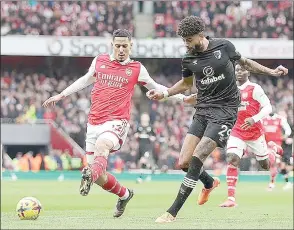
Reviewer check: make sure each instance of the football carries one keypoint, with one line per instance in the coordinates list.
(28, 208)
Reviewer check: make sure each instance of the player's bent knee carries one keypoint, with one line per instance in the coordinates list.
(264, 164)
(233, 159)
(90, 157)
(183, 163)
(103, 147)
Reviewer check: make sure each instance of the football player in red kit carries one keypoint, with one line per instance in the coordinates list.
(277, 130)
(114, 77)
(247, 132)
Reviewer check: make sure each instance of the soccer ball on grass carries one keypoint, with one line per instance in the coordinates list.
(28, 208)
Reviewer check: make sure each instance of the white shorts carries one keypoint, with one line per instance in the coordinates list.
(115, 131)
(258, 147)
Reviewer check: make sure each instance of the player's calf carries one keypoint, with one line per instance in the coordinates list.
(267, 161)
(98, 167)
(273, 174)
(233, 160)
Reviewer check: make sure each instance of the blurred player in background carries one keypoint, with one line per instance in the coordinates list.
(145, 136)
(277, 130)
(211, 63)
(114, 77)
(248, 132)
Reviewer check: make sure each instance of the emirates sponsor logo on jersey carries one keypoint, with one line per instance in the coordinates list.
(111, 80)
(243, 105)
(271, 129)
(213, 79)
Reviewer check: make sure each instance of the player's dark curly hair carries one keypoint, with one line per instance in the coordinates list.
(190, 26)
(122, 33)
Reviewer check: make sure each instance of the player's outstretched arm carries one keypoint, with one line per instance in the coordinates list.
(254, 67)
(154, 87)
(78, 85)
(180, 87)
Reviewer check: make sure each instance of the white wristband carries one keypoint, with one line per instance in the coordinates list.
(165, 94)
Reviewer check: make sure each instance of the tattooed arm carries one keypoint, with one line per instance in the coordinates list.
(254, 67)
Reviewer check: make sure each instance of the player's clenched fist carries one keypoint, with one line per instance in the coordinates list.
(248, 123)
(52, 100)
(154, 95)
(191, 99)
(279, 71)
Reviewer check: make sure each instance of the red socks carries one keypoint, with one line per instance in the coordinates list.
(273, 172)
(98, 167)
(232, 178)
(271, 158)
(113, 186)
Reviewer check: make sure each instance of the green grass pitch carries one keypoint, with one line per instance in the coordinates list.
(64, 208)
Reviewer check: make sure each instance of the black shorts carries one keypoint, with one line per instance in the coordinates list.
(286, 158)
(215, 123)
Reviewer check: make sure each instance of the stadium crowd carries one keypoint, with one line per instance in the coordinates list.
(232, 19)
(22, 95)
(65, 18)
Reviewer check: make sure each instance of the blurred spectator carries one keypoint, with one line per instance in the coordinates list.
(231, 19)
(66, 18)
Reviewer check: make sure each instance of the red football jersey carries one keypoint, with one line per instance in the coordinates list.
(250, 106)
(113, 89)
(114, 84)
(273, 129)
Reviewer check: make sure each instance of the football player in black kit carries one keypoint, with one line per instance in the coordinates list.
(212, 63)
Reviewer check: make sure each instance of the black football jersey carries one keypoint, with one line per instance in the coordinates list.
(214, 71)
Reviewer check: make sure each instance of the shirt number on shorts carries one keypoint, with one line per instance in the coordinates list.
(117, 128)
(225, 131)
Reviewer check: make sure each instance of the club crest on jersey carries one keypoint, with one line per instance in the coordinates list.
(128, 71)
(208, 71)
(244, 95)
(217, 54)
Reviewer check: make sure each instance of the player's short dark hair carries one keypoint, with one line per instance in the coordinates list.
(191, 26)
(122, 33)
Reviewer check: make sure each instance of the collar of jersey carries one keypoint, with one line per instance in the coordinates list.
(125, 62)
(244, 85)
